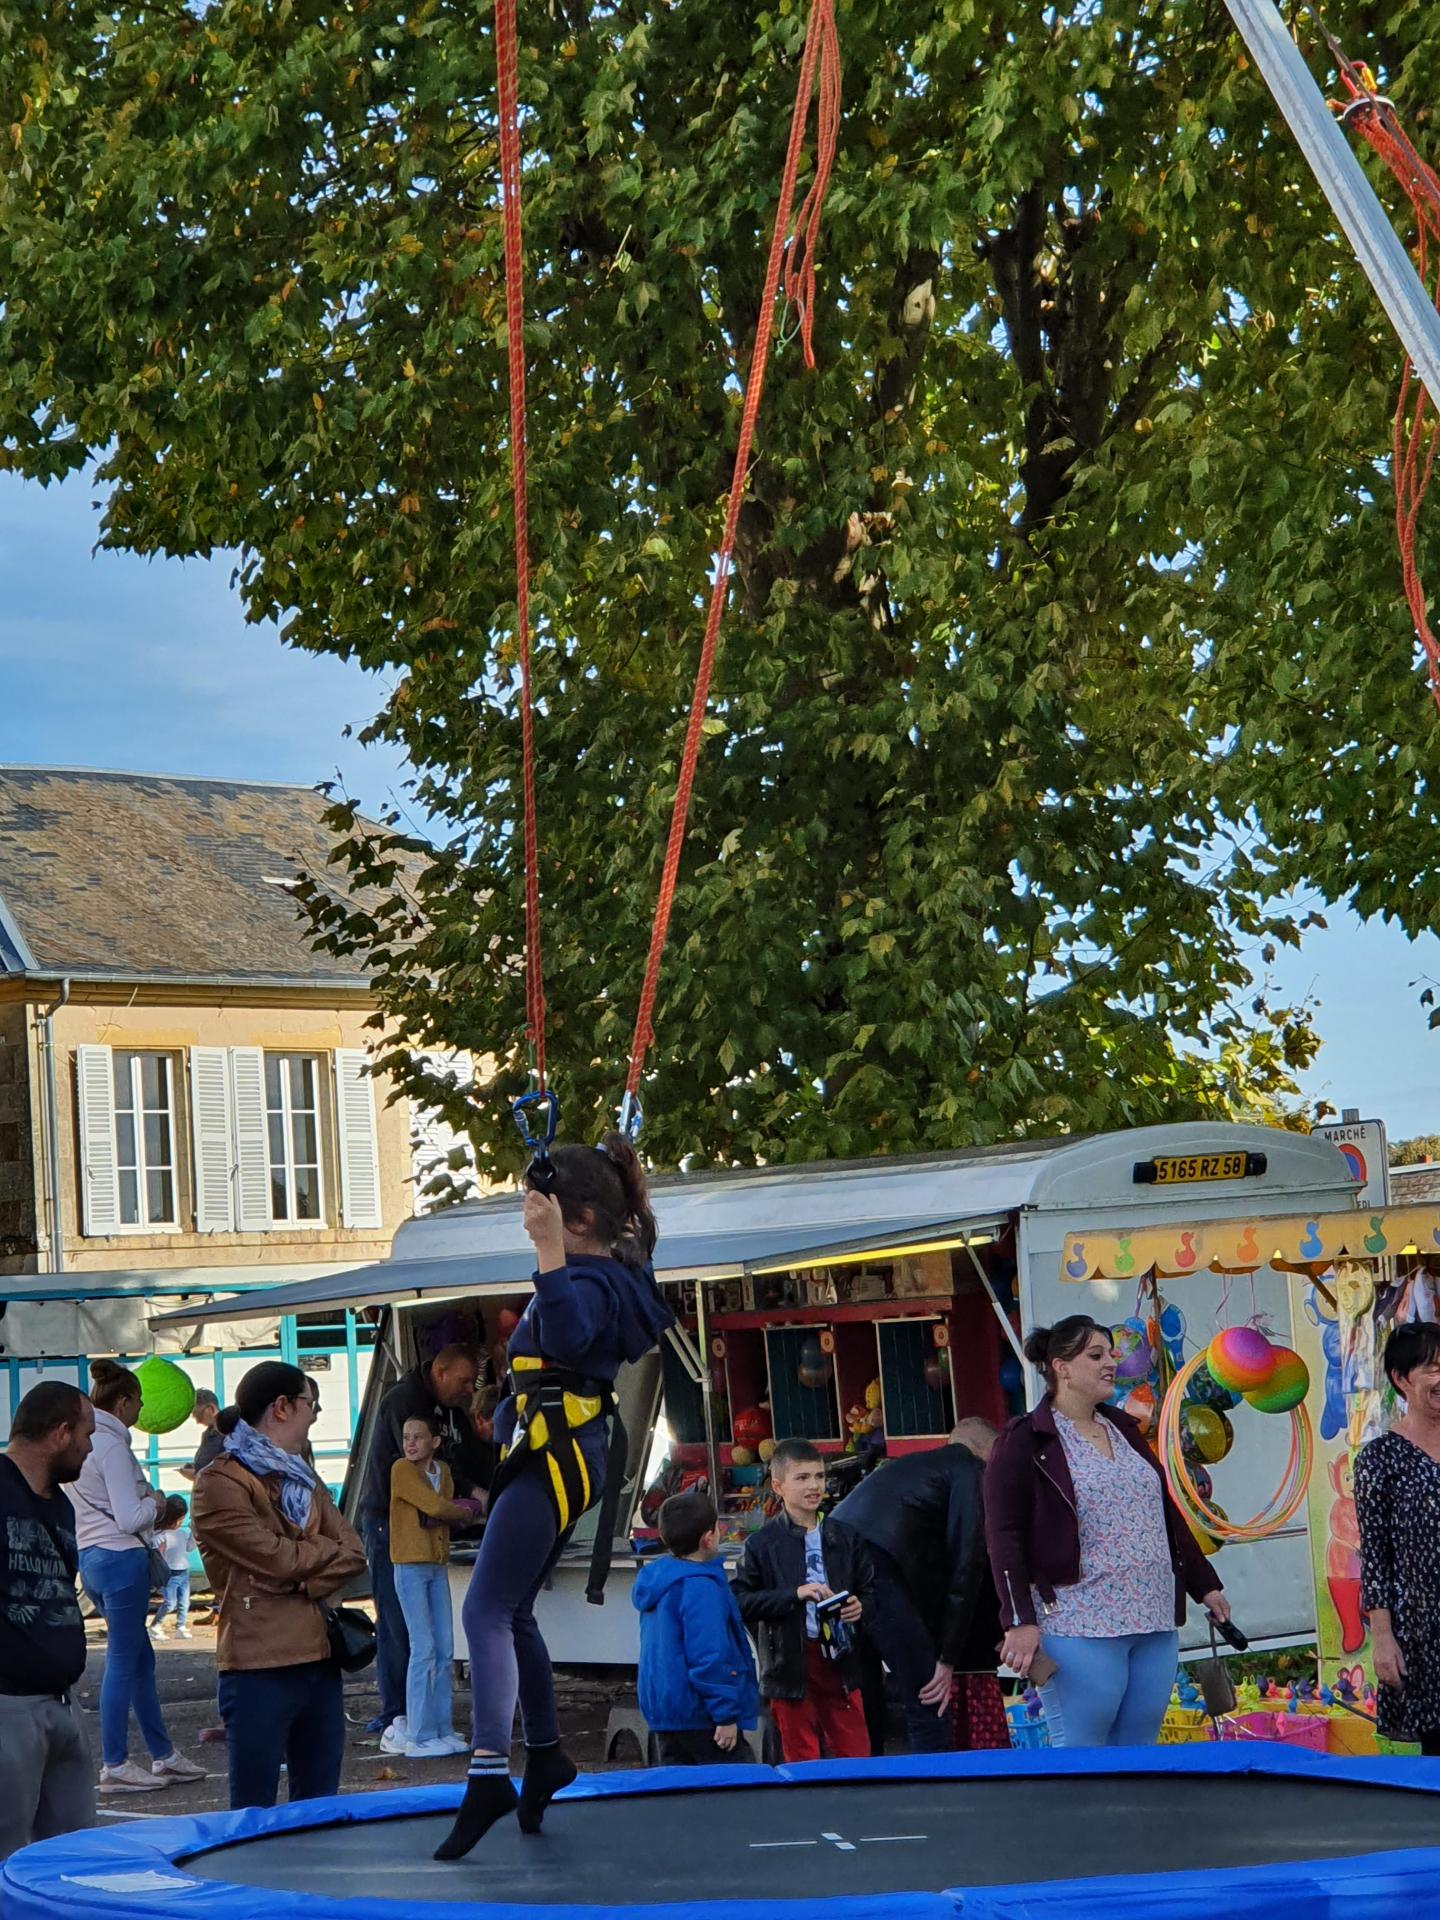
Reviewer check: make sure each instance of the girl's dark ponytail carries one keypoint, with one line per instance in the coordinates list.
(608, 1183)
(640, 1220)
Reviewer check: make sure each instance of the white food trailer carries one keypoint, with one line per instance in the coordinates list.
(932, 1263)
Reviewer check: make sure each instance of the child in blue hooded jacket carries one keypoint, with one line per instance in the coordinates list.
(697, 1673)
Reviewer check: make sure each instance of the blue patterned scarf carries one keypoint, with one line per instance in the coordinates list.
(263, 1457)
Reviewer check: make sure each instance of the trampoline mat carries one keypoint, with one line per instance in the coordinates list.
(842, 1838)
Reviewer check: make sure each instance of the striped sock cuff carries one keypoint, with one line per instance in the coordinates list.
(485, 1766)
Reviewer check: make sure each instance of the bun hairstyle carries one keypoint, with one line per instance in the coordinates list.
(110, 1383)
(609, 1183)
(1067, 1338)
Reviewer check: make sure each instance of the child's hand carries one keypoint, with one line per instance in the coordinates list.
(813, 1590)
(545, 1224)
(726, 1736)
(851, 1610)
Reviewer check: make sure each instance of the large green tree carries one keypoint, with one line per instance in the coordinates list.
(1066, 642)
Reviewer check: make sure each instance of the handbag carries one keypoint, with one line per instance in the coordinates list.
(160, 1570)
(351, 1634)
(1212, 1677)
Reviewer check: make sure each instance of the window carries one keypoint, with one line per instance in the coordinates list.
(292, 1115)
(145, 1138)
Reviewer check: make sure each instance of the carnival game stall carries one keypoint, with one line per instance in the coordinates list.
(870, 1303)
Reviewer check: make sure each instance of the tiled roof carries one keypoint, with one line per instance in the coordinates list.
(153, 877)
(1413, 1186)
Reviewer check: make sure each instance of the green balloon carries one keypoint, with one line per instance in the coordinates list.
(167, 1395)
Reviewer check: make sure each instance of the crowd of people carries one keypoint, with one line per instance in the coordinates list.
(1052, 1549)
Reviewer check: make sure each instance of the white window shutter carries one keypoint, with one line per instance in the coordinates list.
(252, 1148)
(210, 1127)
(99, 1174)
(359, 1147)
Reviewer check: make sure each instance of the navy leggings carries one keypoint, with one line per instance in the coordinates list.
(508, 1657)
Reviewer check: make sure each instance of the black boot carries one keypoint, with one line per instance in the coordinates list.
(547, 1770)
(488, 1797)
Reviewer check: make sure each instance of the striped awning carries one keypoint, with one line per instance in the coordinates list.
(1297, 1243)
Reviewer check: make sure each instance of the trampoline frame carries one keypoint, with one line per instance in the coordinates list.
(66, 1878)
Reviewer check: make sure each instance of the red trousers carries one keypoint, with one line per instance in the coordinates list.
(827, 1713)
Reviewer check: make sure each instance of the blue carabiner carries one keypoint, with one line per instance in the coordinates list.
(544, 1097)
(632, 1117)
(540, 1174)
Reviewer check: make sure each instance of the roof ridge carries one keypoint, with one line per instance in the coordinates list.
(183, 779)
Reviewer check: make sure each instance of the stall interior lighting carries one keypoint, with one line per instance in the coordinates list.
(799, 1263)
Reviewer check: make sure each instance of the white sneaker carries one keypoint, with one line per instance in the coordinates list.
(395, 1738)
(129, 1778)
(158, 1633)
(183, 1633)
(455, 1743)
(428, 1750)
(176, 1767)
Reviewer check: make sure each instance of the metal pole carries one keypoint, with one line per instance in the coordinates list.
(1365, 222)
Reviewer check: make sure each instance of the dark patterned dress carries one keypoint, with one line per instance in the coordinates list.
(1397, 1501)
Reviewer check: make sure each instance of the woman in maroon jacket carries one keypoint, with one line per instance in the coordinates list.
(1091, 1558)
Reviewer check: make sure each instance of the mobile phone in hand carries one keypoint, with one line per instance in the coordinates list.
(832, 1605)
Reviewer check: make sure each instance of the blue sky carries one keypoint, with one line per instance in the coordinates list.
(111, 661)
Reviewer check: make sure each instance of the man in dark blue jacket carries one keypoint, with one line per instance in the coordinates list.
(697, 1673)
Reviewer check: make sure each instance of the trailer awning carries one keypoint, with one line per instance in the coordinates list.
(1296, 1243)
(694, 1256)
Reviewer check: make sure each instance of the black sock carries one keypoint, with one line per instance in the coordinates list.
(547, 1770)
(489, 1796)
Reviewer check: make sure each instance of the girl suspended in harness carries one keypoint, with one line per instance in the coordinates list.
(595, 1307)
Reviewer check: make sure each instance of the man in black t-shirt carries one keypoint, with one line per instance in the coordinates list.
(47, 1782)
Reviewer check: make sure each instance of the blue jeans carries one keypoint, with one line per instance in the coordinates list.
(424, 1594)
(294, 1714)
(175, 1599)
(118, 1582)
(392, 1642)
(904, 1642)
(1109, 1693)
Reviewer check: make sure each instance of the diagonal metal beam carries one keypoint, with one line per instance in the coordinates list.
(1363, 219)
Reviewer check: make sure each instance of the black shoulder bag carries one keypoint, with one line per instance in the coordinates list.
(352, 1637)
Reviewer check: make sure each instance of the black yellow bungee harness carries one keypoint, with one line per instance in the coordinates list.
(553, 1406)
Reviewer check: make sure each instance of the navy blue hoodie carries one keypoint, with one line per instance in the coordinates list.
(591, 1315)
(696, 1666)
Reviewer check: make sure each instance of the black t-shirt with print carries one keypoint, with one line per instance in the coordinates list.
(42, 1637)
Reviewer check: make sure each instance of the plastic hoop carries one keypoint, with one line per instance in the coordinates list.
(1278, 1509)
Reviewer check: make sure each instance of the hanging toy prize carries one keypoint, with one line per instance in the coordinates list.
(1240, 1363)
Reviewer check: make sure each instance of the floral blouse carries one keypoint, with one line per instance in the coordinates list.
(1127, 1582)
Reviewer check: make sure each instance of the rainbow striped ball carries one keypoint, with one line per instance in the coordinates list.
(1240, 1359)
(1287, 1386)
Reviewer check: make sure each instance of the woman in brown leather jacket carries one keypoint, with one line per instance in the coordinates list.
(275, 1548)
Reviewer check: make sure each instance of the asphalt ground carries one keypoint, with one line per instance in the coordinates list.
(185, 1672)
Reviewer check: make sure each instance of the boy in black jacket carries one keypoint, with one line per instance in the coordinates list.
(794, 1562)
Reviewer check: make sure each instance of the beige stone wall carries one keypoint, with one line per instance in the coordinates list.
(173, 1022)
(18, 1201)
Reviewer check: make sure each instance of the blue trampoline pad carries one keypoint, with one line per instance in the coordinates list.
(1187, 1832)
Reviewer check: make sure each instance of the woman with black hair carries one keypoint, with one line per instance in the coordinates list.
(595, 1307)
(1091, 1557)
(276, 1550)
(1397, 1493)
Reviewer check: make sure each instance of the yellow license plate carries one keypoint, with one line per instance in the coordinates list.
(1174, 1169)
